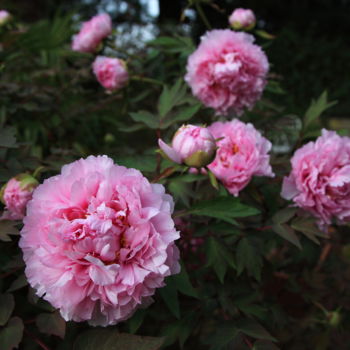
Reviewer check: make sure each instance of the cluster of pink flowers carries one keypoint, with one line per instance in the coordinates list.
(242, 19)
(92, 33)
(15, 195)
(320, 178)
(98, 239)
(191, 145)
(110, 72)
(227, 71)
(242, 153)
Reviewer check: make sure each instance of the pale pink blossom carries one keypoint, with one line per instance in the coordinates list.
(227, 72)
(242, 19)
(242, 153)
(5, 16)
(92, 33)
(192, 145)
(320, 178)
(98, 239)
(15, 195)
(110, 72)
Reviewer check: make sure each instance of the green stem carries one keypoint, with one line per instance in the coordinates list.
(202, 15)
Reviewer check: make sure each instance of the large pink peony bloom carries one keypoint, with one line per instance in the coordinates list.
(193, 145)
(98, 239)
(320, 178)
(227, 71)
(110, 72)
(15, 195)
(242, 152)
(92, 33)
(242, 19)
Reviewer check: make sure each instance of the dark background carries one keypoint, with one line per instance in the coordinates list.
(310, 53)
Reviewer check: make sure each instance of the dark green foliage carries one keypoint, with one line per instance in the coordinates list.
(256, 273)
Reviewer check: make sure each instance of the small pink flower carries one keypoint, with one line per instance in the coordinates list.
(15, 195)
(98, 239)
(92, 33)
(227, 72)
(320, 178)
(193, 145)
(5, 16)
(242, 152)
(242, 19)
(110, 72)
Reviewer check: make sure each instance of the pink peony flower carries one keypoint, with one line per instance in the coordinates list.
(110, 72)
(15, 195)
(98, 239)
(5, 16)
(227, 71)
(242, 19)
(320, 178)
(242, 152)
(92, 33)
(193, 145)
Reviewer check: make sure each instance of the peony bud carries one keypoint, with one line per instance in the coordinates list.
(92, 33)
(110, 72)
(5, 17)
(16, 194)
(242, 19)
(192, 145)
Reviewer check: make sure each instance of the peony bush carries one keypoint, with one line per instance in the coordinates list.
(162, 196)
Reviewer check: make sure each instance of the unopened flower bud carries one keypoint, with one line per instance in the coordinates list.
(15, 194)
(192, 145)
(5, 17)
(242, 19)
(111, 73)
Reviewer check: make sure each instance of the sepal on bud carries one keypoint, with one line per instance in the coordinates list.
(192, 145)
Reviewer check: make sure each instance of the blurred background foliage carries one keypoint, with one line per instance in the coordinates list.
(53, 111)
(309, 51)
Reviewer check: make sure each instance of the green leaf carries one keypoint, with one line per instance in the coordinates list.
(110, 339)
(316, 108)
(7, 228)
(213, 180)
(144, 163)
(184, 284)
(308, 227)
(170, 97)
(170, 296)
(248, 257)
(51, 324)
(7, 304)
(284, 215)
(264, 345)
(146, 118)
(287, 233)
(136, 320)
(18, 283)
(218, 256)
(12, 334)
(254, 329)
(224, 208)
(185, 114)
(223, 336)
(178, 44)
(8, 138)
